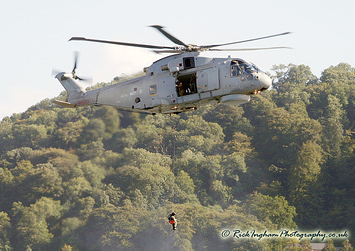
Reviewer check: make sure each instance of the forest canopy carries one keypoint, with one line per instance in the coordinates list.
(94, 178)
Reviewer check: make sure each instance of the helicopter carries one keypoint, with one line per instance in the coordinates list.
(177, 83)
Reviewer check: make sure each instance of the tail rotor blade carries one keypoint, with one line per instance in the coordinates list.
(76, 56)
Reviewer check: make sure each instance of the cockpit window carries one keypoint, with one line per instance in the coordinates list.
(189, 62)
(239, 68)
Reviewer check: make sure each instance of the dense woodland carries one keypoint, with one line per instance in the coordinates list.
(95, 178)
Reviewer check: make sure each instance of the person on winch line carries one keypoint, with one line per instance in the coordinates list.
(172, 220)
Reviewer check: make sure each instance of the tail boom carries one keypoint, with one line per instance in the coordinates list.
(76, 93)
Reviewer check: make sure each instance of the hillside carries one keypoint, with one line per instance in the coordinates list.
(94, 178)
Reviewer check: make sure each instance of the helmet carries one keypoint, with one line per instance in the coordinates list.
(173, 213)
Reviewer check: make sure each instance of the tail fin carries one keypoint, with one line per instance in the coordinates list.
(74, 89)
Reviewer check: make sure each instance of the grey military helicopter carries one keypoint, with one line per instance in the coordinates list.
(177, 83)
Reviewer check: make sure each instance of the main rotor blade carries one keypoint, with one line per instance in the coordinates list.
(244, 41)
(169, 51)
(121, 43)
(250, 49)
(169, 36)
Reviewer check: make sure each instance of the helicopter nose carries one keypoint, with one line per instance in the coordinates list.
(265, 81)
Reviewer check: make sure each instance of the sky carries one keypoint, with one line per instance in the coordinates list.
(34, 38)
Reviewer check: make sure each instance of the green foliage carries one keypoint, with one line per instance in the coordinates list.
(341, 73)
(93, 131)
(347, 246)
(112, 227)
(230, 118)
(329, 246)
(110, 117)
(32, 223)
(5, 230)
(69, 135)
(123, 138)
(272, 210)
(94, 178)
(292, 76)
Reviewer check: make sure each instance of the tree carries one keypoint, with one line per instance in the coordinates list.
(306, 170)
(212, 133)
(240, 143)
(93, 131)
(281, 134)
(336, 81)
(333, 123)
(141, 157)
(68, 115)
(6, 136)
(69, 225)
(110, 117)
(290, 82)
(31, 223)
(230, 118)
(346, 246)
(329, 246)
(233, 166)
(32, 231)
(292, 76)
(115, 195)
(68, 135)
(123, 138)
(75, 188)
(6, 188)
(29, 135)
(273, 210)
(83, 207)
(48, 118)
(305, 188)
(222, 193)
(149, 137)
(341, 73)
(92, 173)
(44, 181)
(152, 183)
(5, 231)
(91, 150)
(259, 107)
(187, 188)
(63, 161)
(305, 245)
(111, 228)
(66, 248)
(203, 170)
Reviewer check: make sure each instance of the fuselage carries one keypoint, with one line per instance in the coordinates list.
(179, 83)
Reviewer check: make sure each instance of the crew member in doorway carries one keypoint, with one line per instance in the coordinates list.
(180, 88)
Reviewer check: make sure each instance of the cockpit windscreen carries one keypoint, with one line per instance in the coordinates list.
(240, 68)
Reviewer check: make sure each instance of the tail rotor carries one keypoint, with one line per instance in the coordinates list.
(76, 57)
